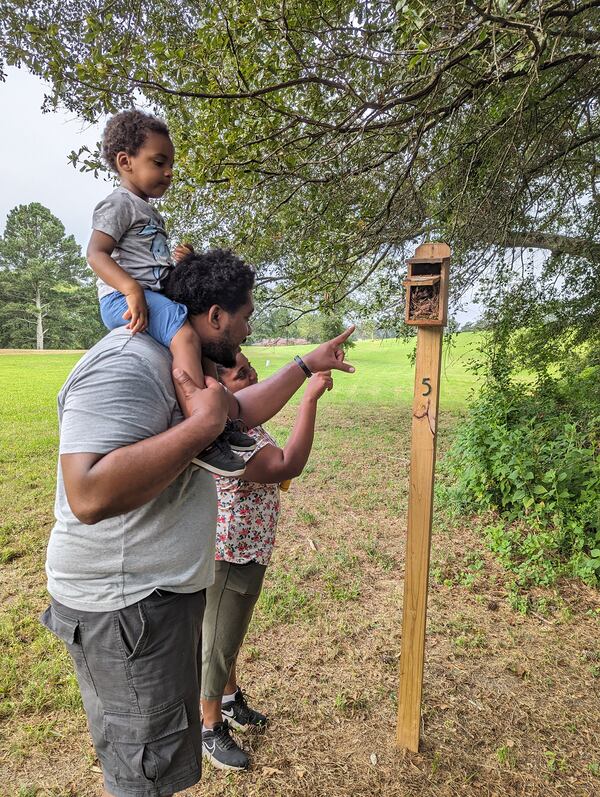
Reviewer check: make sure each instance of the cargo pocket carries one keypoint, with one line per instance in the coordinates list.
(68, 630)
(152, 747)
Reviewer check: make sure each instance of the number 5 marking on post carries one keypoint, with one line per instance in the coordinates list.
(427, 383)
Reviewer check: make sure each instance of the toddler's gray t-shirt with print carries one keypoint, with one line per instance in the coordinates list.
(119, 393)
(142, 248)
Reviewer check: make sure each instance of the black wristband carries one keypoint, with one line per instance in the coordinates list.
(300, 362)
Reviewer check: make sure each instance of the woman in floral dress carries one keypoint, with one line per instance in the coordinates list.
(246, 525)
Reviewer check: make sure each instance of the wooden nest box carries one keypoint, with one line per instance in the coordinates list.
(427, 286)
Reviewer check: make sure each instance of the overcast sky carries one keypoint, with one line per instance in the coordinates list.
(34, 165)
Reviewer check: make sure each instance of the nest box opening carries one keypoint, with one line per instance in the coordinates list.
(422, 269)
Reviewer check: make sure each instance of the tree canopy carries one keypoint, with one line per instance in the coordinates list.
(325, 138)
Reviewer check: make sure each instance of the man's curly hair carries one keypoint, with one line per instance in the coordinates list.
(213, 277)
(126, 132)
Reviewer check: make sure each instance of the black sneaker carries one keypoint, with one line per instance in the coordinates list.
(221, 750)
(219, 458)
(239, 714)
(236, 438)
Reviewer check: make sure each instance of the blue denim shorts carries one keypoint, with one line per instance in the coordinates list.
(139, 671)
(165, 317)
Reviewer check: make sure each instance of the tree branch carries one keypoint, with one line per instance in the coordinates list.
(576, 246)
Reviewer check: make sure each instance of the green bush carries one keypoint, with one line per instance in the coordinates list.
(530, 454)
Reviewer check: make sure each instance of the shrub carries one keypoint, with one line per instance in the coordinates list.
(530, 453)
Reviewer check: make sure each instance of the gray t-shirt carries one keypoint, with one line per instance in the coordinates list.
(119, 393)
(142, 248)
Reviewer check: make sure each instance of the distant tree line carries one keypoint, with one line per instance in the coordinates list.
(47, 292)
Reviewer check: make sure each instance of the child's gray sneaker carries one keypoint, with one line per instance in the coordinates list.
(219, 458)
(220, 749)
(240, 716)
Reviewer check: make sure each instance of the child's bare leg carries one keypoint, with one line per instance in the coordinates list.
(187, 355)
(186, 349)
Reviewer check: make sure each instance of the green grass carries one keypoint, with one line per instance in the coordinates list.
(30, 382)
(384, 371)
(284, 599)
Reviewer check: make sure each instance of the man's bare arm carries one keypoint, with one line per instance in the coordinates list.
(258, 403)
(102, 486)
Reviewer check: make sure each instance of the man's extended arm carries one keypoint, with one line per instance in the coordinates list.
(99, 486)
(258, 403)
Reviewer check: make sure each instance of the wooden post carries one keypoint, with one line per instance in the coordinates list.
(429, 259)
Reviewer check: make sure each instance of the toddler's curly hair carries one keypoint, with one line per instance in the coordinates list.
(126, 132)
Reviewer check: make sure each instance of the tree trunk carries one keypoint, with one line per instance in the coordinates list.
(39, 319)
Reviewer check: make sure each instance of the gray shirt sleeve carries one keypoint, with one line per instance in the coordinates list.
(114, 215)
(112, 404)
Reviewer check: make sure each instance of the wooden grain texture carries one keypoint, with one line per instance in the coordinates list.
(418, 543)
(434, 250)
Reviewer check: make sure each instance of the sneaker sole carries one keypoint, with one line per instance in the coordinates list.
(219, 764)
(241, 448)
(218, 471)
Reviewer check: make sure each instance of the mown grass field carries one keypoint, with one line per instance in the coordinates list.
(510, 701)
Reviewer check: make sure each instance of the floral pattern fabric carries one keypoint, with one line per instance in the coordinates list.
(248, 513)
